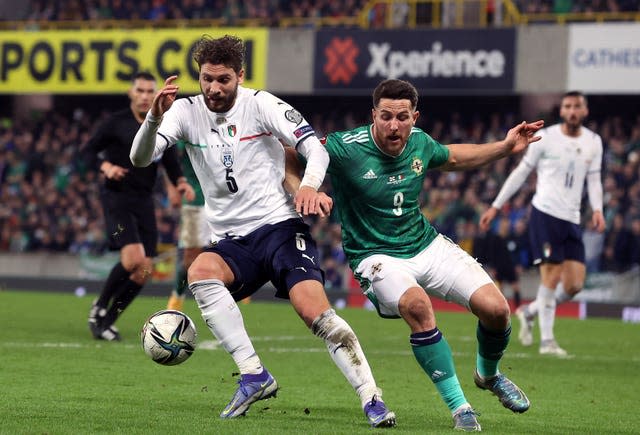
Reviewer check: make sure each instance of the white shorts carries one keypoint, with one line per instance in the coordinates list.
(443, 269)
(194, 231)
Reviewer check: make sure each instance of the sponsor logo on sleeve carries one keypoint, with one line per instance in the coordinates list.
(299, 132)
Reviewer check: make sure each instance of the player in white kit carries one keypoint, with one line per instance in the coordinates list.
(233, 138)
(566, 156)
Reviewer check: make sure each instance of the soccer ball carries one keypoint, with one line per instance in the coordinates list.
(169, 337)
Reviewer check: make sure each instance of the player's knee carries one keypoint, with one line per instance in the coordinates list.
(141, 268)
(200, 270)
(502, 312)
(496, 316)
(133, 263)
(417, 310)
(573, 289)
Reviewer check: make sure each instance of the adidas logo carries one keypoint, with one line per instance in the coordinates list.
(370, 175)
(437, 374)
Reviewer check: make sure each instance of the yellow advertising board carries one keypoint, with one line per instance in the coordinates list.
(103, 61)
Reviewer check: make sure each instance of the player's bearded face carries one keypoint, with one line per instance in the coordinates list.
(392, 124)
(219, 86)
(573, 110)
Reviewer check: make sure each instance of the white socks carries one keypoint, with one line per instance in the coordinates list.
(224, 319)
(546, 303)
(345, 350)
(560, 295)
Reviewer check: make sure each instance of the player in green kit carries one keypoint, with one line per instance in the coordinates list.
(377, 174)
(194, 233)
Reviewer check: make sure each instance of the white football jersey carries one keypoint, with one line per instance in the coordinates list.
(238, 157)
(562, 163)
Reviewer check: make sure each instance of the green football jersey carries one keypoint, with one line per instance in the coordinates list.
(190, 175)
(377, 196)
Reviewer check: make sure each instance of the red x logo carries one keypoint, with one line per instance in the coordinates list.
(341, 60)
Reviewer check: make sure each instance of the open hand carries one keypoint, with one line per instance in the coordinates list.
(520, 136)
(164, 97)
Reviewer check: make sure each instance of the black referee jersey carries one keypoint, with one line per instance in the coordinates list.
(112, 142)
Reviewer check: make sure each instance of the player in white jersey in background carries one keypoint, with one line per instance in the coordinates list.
(566, 156)
(232, 137)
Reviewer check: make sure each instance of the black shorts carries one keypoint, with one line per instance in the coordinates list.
(554, 240)
(283, 253)
(506, 272)
(129, 219)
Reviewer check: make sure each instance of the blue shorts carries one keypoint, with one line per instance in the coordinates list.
(554, 240)
(283, 253)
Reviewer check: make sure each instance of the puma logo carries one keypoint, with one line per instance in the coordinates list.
(311, 259)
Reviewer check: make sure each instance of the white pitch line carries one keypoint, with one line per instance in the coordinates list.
(214, 345)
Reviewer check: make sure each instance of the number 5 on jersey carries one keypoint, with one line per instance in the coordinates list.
(231, 182)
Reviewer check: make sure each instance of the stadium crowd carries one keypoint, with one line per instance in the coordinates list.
(576, 6)
(228, 10)
(49, 197)
(272, 11)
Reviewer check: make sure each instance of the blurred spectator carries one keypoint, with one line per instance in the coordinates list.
(270, 12)
(159, 10)
(617, 250)
(102, 11)
(333, 274)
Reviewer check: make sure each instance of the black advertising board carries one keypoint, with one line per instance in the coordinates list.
(351, 61)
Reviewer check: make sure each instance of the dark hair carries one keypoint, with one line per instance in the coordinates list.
(575, 94)
(228, 51)
(395, 89)
(144, 75)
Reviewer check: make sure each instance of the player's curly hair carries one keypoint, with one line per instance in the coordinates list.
(228, 51)
(395, 89)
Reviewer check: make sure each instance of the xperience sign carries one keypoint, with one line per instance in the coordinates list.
(103, 61)
(604, 58)
(433, 60)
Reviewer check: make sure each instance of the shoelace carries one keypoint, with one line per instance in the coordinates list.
(376, 407)
(469, 412)
(373, 405)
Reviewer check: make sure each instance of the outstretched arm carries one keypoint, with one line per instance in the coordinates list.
(468, 156)
(510, 186)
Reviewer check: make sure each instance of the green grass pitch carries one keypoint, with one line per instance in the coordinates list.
(55, 379)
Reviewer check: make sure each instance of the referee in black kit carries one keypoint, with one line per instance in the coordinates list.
(127, 201)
